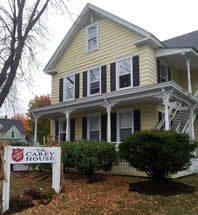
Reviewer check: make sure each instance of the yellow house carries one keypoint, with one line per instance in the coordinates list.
(111, 78)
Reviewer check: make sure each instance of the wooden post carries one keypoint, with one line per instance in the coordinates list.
(67, 115)
(108, 108)
(189, 75)
(6, 183)
(166, 98)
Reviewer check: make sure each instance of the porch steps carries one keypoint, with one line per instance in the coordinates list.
(180, 120)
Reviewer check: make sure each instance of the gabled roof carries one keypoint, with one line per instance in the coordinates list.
(6, 124)
(189, 40)
(80, 22)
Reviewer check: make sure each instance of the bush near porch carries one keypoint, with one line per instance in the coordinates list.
(158, 152)
(89, 156)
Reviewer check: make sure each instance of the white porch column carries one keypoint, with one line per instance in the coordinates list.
(67, 115)
(189, 75)
(108, 108)
(36, 130)
(166, 98)
(191, 123)
(54, 129)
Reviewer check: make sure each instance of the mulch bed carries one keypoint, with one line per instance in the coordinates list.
(106, 195)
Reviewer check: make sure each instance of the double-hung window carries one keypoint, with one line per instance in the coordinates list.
(163, 72)
(69, 87)
(92, 37)
(125, 124)
(94, 81)
(62, 130)
(124, 73)
(94, 131)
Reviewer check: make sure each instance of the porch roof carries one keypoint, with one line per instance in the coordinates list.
(133, 95)
(176, 57)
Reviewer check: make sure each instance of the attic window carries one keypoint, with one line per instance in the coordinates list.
(12, 134)
(92, 37)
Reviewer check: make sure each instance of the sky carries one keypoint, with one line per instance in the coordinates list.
(164, 19)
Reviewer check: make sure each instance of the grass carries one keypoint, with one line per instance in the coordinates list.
(115, 195)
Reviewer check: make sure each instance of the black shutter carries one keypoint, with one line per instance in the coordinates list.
(104, 127)
(77, 85)
(158, 71)
(113, 76)
(85, 84)
(56, 129)
(137, 121)
(169, 74)
(104, 78)
(61, 90)
(72, 131)
(84, 128)
(113, 127)
(159, 116)
(136, 73)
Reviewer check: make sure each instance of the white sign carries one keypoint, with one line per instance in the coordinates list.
(28, 155)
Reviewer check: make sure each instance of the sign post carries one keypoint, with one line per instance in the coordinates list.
(30, 155)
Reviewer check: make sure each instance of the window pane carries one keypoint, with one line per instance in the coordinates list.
(94, 123)
(70, 81)
(69, 87)
(63, 126)
(124, 133)
(163, 72)
(92, 31)
(125, 120)
(125, 80)
(94, 75)
(94, 87)
(94, 135)
(70, 93)
(62, 136)
(124, 66)
(92, 44)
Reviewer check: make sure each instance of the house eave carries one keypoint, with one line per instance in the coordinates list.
(172, 51)
(148, 41)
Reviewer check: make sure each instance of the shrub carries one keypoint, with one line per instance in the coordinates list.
(157, 152)
(89, 156)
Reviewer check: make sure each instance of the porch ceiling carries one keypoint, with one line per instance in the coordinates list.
(130, 96)
(176, 58)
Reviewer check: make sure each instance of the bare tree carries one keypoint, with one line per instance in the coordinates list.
(22, 28)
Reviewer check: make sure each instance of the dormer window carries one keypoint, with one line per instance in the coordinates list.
(12, 135)
(92, 37)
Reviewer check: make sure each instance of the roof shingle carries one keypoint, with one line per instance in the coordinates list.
(8, 123)
(189, 40)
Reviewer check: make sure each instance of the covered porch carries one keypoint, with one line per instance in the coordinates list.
(114, 116)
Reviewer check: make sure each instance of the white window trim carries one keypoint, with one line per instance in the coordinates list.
(166, 65)
(88, 81)
(117, 72)
(126, 110)
(87, 50)
(64, 93)
(88, 124)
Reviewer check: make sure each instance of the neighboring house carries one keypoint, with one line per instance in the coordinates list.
(12, 130)
(111, 78)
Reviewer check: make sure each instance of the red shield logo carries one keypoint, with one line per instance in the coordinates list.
(17, 154)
